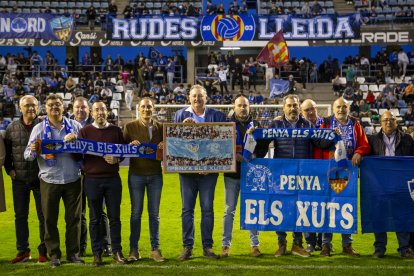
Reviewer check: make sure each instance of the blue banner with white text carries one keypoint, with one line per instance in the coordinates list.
(36, 25)
(300, 195)
(241, 27)
(84, 146)
(387, 194)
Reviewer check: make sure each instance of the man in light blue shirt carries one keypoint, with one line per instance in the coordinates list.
(59, 178)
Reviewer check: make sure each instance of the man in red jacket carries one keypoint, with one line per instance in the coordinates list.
(357, 146)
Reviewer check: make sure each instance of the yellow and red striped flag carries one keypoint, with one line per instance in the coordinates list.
(276, 52)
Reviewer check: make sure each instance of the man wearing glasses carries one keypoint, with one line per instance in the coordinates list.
(391, 141)
(59, 178)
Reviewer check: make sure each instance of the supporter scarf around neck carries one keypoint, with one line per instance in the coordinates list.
(51, 158)
(239, 141)
(347, 135)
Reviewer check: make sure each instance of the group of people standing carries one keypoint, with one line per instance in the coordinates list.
(65, 176)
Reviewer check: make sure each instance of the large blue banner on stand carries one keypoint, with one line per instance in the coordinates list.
(36, 25)
(387, 194)
(299, 195)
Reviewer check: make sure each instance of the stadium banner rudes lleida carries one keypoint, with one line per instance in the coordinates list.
(234, 27)
(299, 195)
(36, 25)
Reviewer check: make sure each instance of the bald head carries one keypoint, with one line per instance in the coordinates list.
(341, 110)
(388, 123)
(309, 110)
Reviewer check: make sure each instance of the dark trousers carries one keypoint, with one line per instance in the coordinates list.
(313, 239)
(412, 240)
(238, 78)
(110, 189)
(106, 240)
(71, 194)
(21, 201)
(223, 85)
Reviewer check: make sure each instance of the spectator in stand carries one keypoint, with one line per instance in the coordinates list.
(170, 72)
(49, 62)
(393, 59)
(259, 99)
(97, 62)
(370, 98)
(70, 85)
(179, 89)
(402, 63)
(128, 12)
(251, 98)
(252, 65)
(303, 72)
(316, 8)
(222, 74)
(292, 84)
(113, 9)
(220, 9)
(408, 93)
(108, 66)
(409, 116)
(211, 8)
(273, 9)
(91, 15)
(364, 109)
(237, 73)
(217, 98)
(391, 100)
(36, 62)
(350, 75)
(244, 8)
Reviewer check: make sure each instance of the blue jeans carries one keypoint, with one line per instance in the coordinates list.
(137, 184)
(231, 192)
(402, 237)
(346, 239)
(97, 190)
(21, 201)
(191, 186)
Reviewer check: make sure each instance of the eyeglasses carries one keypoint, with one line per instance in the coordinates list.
(388, 120)
(54, 105)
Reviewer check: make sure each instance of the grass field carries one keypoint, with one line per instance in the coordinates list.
(238, 263)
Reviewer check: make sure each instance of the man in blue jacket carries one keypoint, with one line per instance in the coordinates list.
(193, 184)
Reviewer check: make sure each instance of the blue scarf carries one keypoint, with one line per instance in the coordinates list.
(347, 135)
(51, 158)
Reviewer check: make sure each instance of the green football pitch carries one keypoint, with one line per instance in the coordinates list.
(239, 261)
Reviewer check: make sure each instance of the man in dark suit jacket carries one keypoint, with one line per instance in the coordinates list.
(192, 184)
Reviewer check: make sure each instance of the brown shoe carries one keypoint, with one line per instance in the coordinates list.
(298, 250)
(326, 250)
(97, 260)
(255, 252)
(119, 258)
(186, 254)
(225, 251)
(134, 255)
(281, 250)
(157, 256)
(349, 251)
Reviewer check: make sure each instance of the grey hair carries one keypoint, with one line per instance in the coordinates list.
(291, 96)
(28, 97)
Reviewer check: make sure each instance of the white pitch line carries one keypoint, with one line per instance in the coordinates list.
(249, 267)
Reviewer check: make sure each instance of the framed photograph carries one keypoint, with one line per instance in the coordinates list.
(199, 148)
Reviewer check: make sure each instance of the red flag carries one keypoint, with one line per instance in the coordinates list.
(275, 53)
